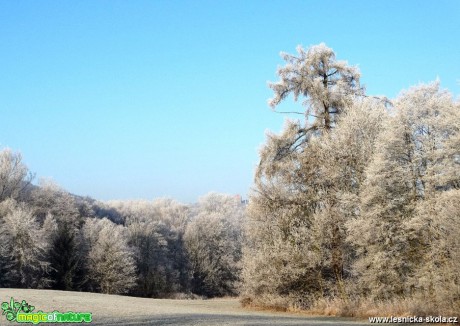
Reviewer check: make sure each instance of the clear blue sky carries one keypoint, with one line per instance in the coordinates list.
(145, 99)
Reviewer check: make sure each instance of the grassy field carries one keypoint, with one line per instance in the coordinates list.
(122, 310)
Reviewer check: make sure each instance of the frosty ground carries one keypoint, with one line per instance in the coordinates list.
(122, 310)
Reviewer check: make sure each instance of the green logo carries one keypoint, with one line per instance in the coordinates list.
(22, 312)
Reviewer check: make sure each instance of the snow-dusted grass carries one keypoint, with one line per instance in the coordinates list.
(107, 307)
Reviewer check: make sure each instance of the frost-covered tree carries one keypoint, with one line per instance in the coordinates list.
(24, 247)
(297, 250)
(14, 175)
(345, 154)
(175, 215)
(435, 227)
(435, 133)
(445, 253)
(52, 203)
(326, 85)
(160, 258)
(49, 198)
(213, 241)
(111, 265)
(400, 221)
(155, 231)
(308, 180)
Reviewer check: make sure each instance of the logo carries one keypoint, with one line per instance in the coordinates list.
(22, 312)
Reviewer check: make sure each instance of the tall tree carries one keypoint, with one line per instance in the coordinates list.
(297, 236)
(305, 179)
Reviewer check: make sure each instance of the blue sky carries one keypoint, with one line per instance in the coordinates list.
(146, 99)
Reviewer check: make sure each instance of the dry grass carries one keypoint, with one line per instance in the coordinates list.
(266, 303)
(353, 308)
(369, 308)
(366, 308)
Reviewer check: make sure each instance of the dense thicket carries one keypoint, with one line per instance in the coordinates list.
(360, 201)
(50, 238)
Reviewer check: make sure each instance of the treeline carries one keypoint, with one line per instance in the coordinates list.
(52, 239)
(357, 206)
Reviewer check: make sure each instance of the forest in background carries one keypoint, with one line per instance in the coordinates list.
(354, 208)
(50, 238)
